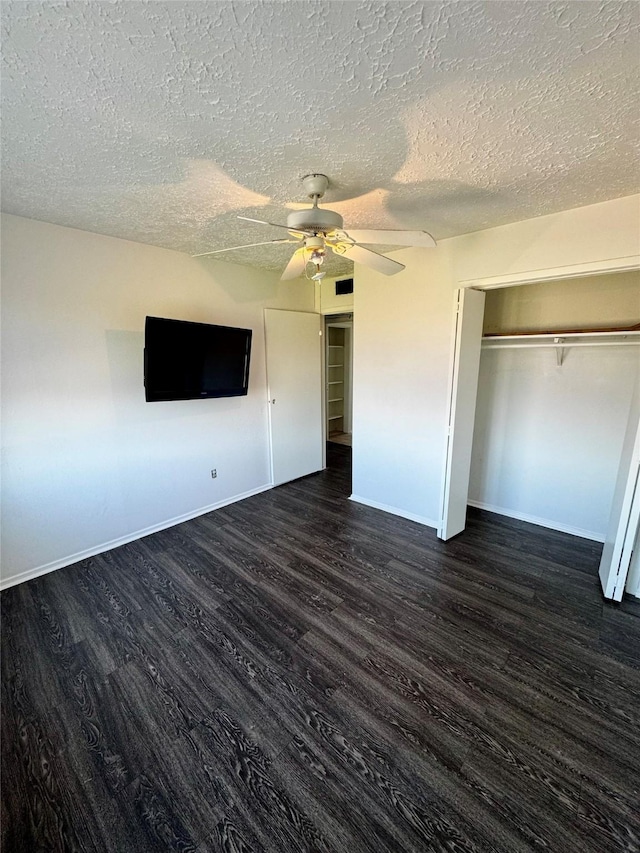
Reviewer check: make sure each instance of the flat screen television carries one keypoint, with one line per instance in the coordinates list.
(189, 361)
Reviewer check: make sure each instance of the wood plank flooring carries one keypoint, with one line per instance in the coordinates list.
(300, 673)
(340, 438)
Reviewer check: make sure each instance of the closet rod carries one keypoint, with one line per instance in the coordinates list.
(549, 336)
(567, 344)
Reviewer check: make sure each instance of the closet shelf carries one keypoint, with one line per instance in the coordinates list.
(545, 333)
(561, 341)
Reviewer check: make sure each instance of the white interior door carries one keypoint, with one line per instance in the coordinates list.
(625, 514)
(463, 389)
(294, 380)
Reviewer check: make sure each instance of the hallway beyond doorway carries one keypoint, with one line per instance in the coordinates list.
(341, 438)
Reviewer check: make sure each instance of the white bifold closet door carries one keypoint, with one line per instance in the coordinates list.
(625, 513)
(294, 380)
(463, 390)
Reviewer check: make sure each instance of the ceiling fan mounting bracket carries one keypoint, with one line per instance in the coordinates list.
(315, 185)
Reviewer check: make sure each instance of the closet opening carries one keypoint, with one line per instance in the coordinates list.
(338, 396)
(559, 373)
(339, 378)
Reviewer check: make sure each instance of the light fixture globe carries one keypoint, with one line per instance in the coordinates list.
(314, 244)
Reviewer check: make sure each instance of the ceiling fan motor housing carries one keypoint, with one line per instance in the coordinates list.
(314, 219)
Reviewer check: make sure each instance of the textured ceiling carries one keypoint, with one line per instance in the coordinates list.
(160, 121)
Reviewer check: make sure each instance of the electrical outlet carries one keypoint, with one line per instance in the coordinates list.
(214, 473)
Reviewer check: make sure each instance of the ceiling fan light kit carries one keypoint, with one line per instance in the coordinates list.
(317, 229)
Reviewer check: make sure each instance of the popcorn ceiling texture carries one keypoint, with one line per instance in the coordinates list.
(160, 121)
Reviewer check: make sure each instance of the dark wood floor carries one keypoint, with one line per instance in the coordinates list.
(300, 673)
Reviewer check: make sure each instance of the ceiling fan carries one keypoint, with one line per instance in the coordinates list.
(316, 230)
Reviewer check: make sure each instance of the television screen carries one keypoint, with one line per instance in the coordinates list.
(188, 361)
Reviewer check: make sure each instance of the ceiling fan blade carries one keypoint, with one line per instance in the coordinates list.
(274, 225)
(377, 262)
(393, 238)
(244, 246)
(295, 267)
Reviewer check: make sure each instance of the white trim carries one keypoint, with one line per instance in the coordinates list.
(420, 519)
(29, 574)
(632, 262)
(329, 312)
(541, 522)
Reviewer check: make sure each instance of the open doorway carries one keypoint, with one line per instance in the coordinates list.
(339, 378)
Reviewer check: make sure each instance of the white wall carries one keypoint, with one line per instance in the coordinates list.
(401, 353)
(548, 438)
(403, 330)
(86, 462)
(556, 243)
(326, 300)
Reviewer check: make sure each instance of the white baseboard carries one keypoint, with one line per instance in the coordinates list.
(29, 574)
(541, 522)
(393, 510)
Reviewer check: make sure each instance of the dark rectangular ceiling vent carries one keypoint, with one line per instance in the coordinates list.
(344, 286)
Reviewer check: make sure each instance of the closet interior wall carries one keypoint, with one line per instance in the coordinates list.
(548, 436)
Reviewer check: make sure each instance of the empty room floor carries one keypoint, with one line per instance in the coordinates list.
(297, 672)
